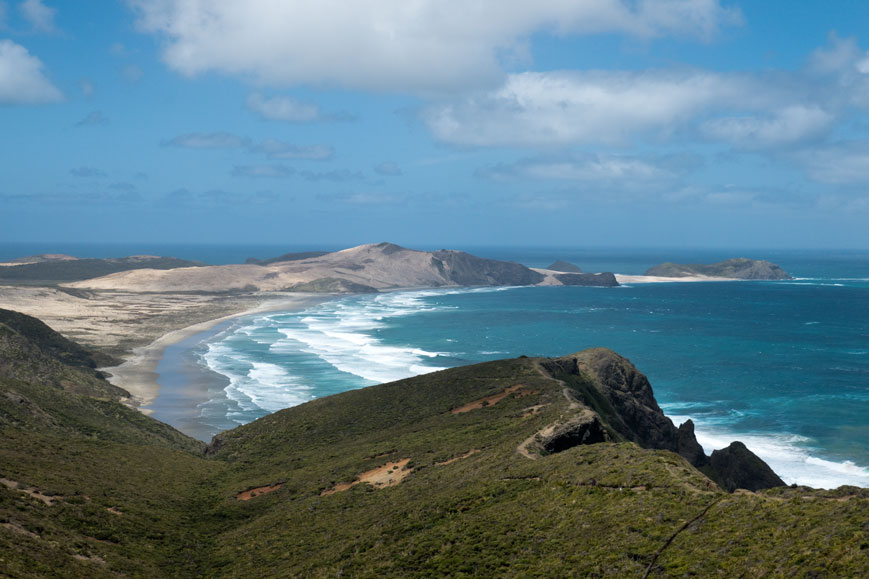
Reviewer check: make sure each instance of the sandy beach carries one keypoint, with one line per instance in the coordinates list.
(137, 327)
(138, 374)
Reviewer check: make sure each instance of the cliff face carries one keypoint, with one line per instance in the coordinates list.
(465, 269)
(737, 268)
(611, 386)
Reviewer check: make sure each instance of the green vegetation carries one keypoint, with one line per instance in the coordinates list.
(93, 489)
(736, 268)
(62, 271)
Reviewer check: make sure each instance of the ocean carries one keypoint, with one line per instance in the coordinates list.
(782, 366)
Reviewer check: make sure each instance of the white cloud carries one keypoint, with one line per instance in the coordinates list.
(218, 140)
(589, 167)
(40, 16)
(282, 109)
(424, 45)
(787, 126)
(276, 149)
(845, 163)
(21, 78)
(562, 107)
(597, 171)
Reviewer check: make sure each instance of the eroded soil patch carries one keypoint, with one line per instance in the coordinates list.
(518, 390)
(251, 493)
(388, 475)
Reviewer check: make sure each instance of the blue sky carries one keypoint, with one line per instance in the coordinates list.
(436, 123)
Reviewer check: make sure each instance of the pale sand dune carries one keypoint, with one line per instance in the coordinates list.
(138, 326)
(623, 279)
(368, 265)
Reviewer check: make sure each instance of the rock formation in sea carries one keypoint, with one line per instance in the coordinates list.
(736, 268)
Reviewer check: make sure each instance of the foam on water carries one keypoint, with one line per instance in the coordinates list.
(339, 333)
(789, 455)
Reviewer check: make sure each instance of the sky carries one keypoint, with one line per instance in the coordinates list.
(436, 123)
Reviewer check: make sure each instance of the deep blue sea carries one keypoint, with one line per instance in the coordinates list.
(781, 366)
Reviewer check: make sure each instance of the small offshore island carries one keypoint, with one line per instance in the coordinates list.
(543, 466)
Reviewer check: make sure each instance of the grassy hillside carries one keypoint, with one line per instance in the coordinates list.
(487, 470)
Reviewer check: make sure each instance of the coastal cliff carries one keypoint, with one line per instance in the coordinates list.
(529, 466)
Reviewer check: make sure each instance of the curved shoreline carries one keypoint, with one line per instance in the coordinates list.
(138, 373)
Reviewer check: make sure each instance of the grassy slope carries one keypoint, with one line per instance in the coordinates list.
(609, 509)
(604, 509)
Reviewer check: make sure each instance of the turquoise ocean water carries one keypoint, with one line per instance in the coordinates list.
(782, 366)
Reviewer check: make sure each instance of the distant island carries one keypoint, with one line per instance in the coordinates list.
(736, 268)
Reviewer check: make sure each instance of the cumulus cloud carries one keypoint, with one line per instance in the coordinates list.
(620, 170)
(563, 107)
(22, 80)
(615, 175)
(273, 171)
(276, 149)
(38, 15)
(425, 45)
(219, 140)
(787, 126)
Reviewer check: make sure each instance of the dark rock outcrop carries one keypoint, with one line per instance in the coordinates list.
(736, 467)
(687, 445)
(469, 270)
(565, 267)
(621, 395)
(605, 279)
(736, 268)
